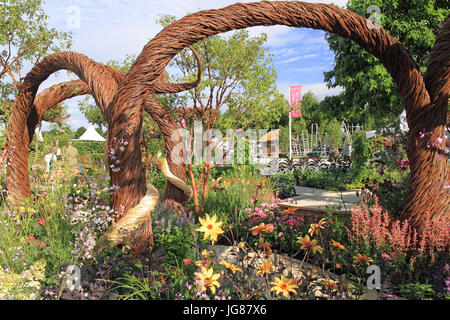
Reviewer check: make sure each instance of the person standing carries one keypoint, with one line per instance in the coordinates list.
(70, 155)
(50, 159)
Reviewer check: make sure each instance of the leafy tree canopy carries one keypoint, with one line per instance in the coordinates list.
(238, 80)
(25, 38)
(370, 93)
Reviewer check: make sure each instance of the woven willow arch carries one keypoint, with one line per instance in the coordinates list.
(425, 100)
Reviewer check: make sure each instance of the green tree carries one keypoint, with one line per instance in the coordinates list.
(25, 39)
(79, 132)
(238, 81)
(331, 128)
(370, 92)
(237, 90)
(311, 109)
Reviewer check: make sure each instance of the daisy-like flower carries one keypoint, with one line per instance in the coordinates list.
(289, 211)
(208, 279)
(306, 242)
(362, 259)
(315, 227)
(338, 245)
(284, 286)
(210, 227)
(262, 228)
(230, 266)
(265, 267)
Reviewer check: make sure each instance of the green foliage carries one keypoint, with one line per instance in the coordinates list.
(310, 109)
(333, 131)
(370, 92)
(79, 132)
(177, 242)
(417, 291)
(238, 71)
(362, 152)
(92, 148)
(239, 184)
(283, 183)
(328, 179)
(25, 38)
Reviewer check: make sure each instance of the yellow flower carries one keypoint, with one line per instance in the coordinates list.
(317, 249)
(284, 286)
(362, 259)
(230, 266)
(265, 267)
(306, 242)
(207, 279)
(210, 227)
(262, 228)
(205, 262)
(31, 210)
(315, 227)
(241, 245)
(52, 204)
(338, 245)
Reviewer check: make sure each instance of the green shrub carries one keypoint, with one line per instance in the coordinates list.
(361, 154)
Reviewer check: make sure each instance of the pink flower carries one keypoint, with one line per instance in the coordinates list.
(41, 221)
(252, 201)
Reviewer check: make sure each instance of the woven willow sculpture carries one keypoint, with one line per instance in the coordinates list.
(123, 98)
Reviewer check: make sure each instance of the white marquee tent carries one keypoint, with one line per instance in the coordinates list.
(91, 135)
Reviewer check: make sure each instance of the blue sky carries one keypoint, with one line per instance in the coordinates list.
(109, 29)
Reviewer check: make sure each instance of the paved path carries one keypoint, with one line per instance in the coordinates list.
(318, 200)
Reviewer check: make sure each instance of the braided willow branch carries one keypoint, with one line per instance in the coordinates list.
(99, 80)
(159, 51)
(123, 99)
(430, 170)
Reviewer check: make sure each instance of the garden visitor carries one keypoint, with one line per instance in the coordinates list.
(70, 155)
(50, 160)
(57, 149)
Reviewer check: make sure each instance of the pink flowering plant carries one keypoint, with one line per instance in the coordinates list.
(405, 253)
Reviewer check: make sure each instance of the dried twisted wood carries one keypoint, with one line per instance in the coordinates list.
(195, 27)
(24, 114)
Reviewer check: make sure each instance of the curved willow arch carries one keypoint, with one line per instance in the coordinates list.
(128, 103)
(24, 113)
(124, 101)
(97, 79)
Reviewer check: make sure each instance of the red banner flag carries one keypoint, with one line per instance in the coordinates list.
(295, 93)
